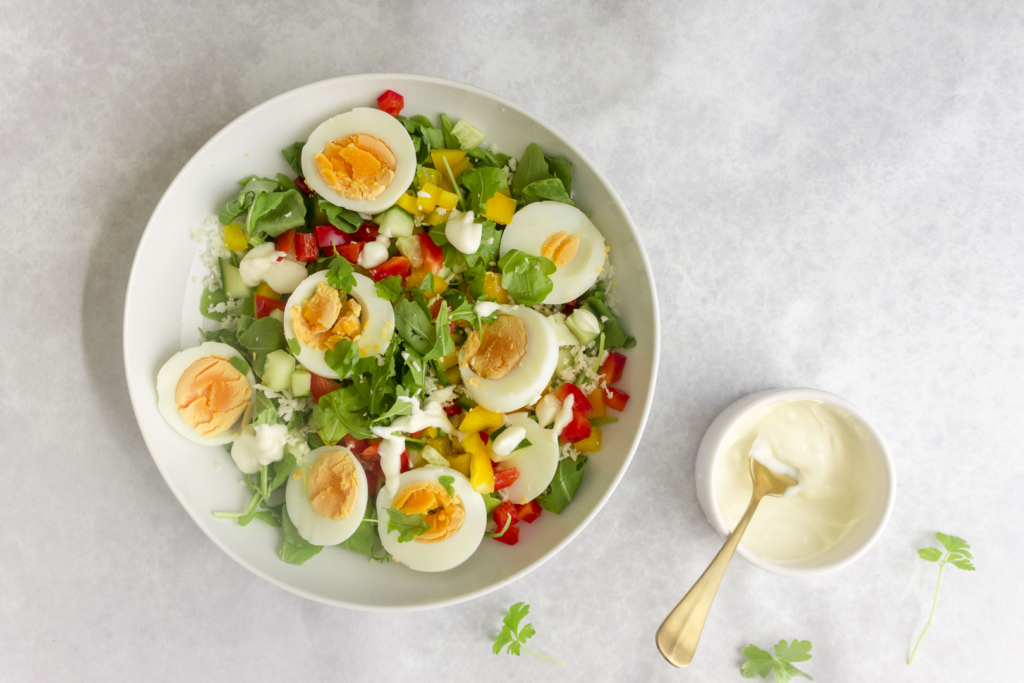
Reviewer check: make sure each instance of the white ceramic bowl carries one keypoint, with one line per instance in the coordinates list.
(161, 317)
(879, 509)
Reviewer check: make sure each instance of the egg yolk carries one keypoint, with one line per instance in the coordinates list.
(442, 512)
(211, 395)
(560, 247)
(497, 348)
(357, 166)
(332, 485)
(326, 318)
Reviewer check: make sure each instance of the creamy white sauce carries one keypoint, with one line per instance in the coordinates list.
(824, 451)
(263, 263)
(547, 409)
(564, 416)
(485, 308)
(508, 440)
(392, 446)
(375, 253)
(462, 232)
(259, 446)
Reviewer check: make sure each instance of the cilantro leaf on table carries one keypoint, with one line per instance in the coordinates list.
(761, 663)
(526, 278)
(340, 275)
(958, 554)
(514, 636)
(293, 155)
(407, 526)
(563, 486)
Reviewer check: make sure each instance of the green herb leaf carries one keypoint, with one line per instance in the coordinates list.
(515, 637)
(413, 325)
(447, 482)
(958, 554)
(342, 219)
(930, 554)
(532, 167)
(293, 155)
(397, 409)
(407, 526)
(294, 347)
(340, 275)
(614, 336)
(488, 158)
(240, 365)
(281, 470)
(443, 344)
(491, 501)
(415, 370)
(252, 186)
(564, 485)
(490, 242)
(562, 170)
(210, 298)
(295, 549)
(343, 411)
(366, 540)
(481, 184)
(382, 384)
(264, 411)
(550, 189)
(262, 337)
(450, 142)
(526, 278)
(275, 212)
(225, 337)
(390, 288)
(762, 663)
(343, 358)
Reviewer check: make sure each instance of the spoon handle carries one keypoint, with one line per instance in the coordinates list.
(680, 632)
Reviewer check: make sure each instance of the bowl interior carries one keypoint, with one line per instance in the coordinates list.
(164, 281)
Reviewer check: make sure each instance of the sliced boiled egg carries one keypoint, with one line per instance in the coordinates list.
(565, 235)
(326, 496)
(535, 463)
(319, 316)
(203, 396)
(508, 363)
(457, 522)
(362, 160)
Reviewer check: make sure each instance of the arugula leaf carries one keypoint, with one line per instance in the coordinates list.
(487, 157)
(287, 183)
(532, 167)
(262, 337)
(294, 347)
(340, 275)
(526, 278)
(563, 486)
(365, 540)
(264, 411)
(390, 288)
(415, 370)
(251, 187)
(224, 337)
(295, 549)
(515, 637)
(272, 213)
(293, 155)
(490, 242)
(446, 128)
(342, 219)
(761, 663)
(562, 168)
(481, 184)
(447, 482)
(397, 409)
(614, 336)
(443, 344)
(407, 526)
(550, 188)
(958, 554)
(381, 383)
(438, 235)
(343, 358)
(342, 412)
(413, 325)
(210, 298)
(476, 276)
(281, 470)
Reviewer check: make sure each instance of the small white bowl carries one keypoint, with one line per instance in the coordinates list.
(851, 547)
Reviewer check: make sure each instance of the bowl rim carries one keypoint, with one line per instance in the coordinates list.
(655, 333)
(741, 408)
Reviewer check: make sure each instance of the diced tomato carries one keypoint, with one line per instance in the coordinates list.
(370, 454)
(350, 251)
(615, 399)
(505, 478)
(391, 102)
(285, 241)
(612, 367)
(397, 265)
(303, 187)
(569, 307)
(419, 434)
(265, 305)
(433, 257)
(367, 232)
(371, 481)
(435, 307)
(355, 445)
(485, 437)
(529, 512)
(319, 386)
(453, 409)
(306, 249)
(580, 404)
(510, 537)
(405, 461)
(329, 237)
(578, 429)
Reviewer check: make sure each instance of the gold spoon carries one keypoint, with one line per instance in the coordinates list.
(680, 632)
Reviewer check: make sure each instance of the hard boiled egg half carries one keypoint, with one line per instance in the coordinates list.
(535, 463)
(507, 364)
(319, 316)
(203, 396)
(362, 160)
(326, 496)
(457, 522)
(565, 235)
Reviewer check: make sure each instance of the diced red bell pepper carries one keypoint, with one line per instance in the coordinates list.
(506, 514)
(391, 102)
(371, 481)
(615, 399)
(320, 386)
(453, 409)
(306, 248)
(329, 237)
(265, 306)
(580, 404)
(405, 461)
(569, 307)
(350, 251)
(371, 454)
(367, 232)
(433, 257)
(397, 265)
(303, 187)
(435, 307)
(612, 367)
(485, 437)
(419, 434)
(285, 241)
(529, 512)
(510, 537)
(505, 478)
(355, 445)
(578, 429)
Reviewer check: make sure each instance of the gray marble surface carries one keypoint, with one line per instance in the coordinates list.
(830, 194)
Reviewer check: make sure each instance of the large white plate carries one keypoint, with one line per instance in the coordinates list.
(160, 316)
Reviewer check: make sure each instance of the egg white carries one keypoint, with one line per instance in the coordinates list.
(440, 555)
(534, 223)
(536, 463)
(529, 378)
(167, 383)
(377, 318)
(367, 121)
(315, 528)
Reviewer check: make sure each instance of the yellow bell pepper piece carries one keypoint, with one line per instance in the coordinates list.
(408, 202)
(424, 205)
(500, 208)
(451, 360)
(461, 463)
(481, 473)
(427, 176)
(592, 443)
(447, 200)
(453, 374)
(493, 288)
(234, 237)
(264, 290)
(596, 398)
(452, 156)
(416, 277)
(442, 445)
(479, 419)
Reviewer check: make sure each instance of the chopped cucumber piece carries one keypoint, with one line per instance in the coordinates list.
(566, 358)
(467, 135)
(584, 337)
(232, 280)
(396, 221)
(300, 383)
(277, 372)
(277, 314)
(411, 248)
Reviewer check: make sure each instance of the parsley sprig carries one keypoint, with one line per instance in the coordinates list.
(514, 636)
(761, 663)
(958, 554)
